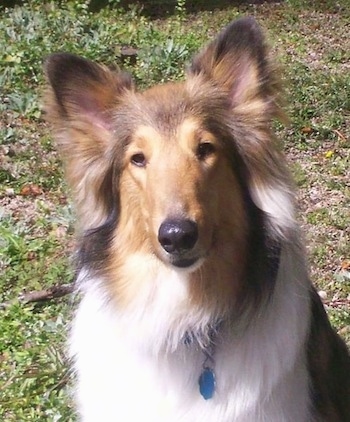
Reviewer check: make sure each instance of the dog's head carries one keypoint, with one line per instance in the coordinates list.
(179, 171)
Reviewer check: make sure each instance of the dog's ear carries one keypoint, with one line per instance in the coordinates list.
(238, 63)
(237, 60)
(79, 101)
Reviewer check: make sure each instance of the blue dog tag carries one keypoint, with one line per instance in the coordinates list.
(207, 383)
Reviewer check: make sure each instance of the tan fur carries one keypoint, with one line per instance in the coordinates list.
(173, 184)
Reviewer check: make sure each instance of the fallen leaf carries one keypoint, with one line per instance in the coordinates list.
(306, 129)
(345, 265)
(341, 136)
(31, 190)
(60, 232)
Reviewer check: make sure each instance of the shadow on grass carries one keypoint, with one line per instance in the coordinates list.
(158, 8)
(162, 8)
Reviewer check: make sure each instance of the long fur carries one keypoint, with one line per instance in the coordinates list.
(201, 151)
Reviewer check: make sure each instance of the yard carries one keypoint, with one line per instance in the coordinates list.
(311, 40)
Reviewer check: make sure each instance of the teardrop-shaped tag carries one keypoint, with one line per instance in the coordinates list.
(207, 383)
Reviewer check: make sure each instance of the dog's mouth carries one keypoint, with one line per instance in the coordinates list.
(184, 262)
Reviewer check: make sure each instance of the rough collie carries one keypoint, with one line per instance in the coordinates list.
(196, 302)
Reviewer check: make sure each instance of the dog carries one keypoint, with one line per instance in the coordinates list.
(196, 301)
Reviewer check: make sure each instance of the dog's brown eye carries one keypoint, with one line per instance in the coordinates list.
(204, 150)
(138, 159)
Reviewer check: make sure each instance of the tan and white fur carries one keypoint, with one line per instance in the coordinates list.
(189, 244)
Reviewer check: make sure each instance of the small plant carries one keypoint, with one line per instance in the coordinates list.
(180, 10)
(164, 62)
(24, 104)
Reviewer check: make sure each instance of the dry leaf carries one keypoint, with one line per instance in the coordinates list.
(345, 265)
(306, 129)
(31, 190)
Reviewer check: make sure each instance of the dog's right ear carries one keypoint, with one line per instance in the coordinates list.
(79, 102)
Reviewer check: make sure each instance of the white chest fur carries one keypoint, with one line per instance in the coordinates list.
(124, 373)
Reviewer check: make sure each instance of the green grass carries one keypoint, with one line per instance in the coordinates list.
(312, 43)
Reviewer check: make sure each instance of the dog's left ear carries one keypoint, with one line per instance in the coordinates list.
(238, 63)
(237, 60)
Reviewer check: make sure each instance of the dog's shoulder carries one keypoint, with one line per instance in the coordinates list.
(329, 366)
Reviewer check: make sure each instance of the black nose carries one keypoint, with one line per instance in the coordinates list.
(178, 236)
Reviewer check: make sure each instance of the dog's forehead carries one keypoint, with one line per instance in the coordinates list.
(166, 107)
(187, 131)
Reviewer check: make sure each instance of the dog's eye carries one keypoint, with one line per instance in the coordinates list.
(138, 159)
(205, 149)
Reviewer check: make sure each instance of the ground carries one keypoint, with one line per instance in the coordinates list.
(312, 43)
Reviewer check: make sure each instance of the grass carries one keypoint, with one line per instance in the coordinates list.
(312, 42)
